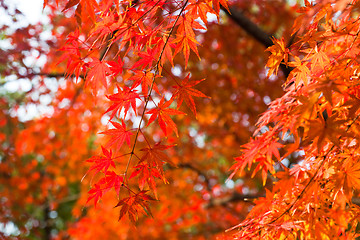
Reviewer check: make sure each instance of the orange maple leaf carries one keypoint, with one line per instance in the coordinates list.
(321, 129)
(319, 60)
(352, 177)
(301, 71)
(278, 53)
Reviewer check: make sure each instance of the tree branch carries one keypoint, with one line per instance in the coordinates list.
(56, 75)
(356, 201)
(198, 171)
(46, 221)
(251, 28)
(235, 197)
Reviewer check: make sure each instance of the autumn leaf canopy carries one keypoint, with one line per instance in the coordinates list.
(180, 119)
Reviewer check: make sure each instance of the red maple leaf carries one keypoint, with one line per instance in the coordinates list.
(162, 112)
(88, 5)
(145, 79)
(146, 58)
(118, 135)
(116, 67)
(147, 174)
(185, 42)
(124, 98)
(95, 193)
(184, 92)
(133, 204)
(105, 184)
(71, 53)
(200, 9)
(216, 5)
(101, 163)
(97, 72)
(111, 180)
(70, 4)
(155, 155)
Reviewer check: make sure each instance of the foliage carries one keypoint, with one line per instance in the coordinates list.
(149, 104)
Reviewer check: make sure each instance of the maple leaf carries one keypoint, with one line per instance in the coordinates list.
(167, 51)
(299, 170)
(319, 60)
(70, 4)
(146, 59)
(101, 163)
(147, 174)
(116, 67)
(273, 150)
(95, 193)
(245, 159)
(184, 92)
(145, 79)
(278, 53)
(155, 155)
(200, 9)
(97, 72)
(71, 53)
(216, 5)
(75, 65)
(105, 184)
(124, 98)
(260, 151)
(106, 27)
(321, 129)
(352, 177)
(45, 3)
(186, 25)
(118, 135)
(301, 71)
(134, 204)
(88, 5)
(162, 112)
(111, 180)
(185, 42)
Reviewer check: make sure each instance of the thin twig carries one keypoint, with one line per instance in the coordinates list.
(152, 85)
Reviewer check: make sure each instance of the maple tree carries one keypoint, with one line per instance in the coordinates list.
(182, 119)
